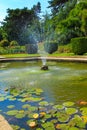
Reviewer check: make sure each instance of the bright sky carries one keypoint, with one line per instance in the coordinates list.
(12, 4)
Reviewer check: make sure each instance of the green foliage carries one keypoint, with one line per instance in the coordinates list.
(12, 50)
(17, 21)
(79, 45)
(83, 15)
(14, 43)
(50, 46)
(2, 50)
(65, 48)
(4, 43)
(56, 4)
(1, 36)
(73, 25)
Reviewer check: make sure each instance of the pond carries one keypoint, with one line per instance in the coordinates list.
(63, 82)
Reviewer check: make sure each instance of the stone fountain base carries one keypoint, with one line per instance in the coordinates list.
(44, 67)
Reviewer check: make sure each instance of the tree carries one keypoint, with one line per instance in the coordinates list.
(75, 25)
(1, 37)
(56, 4)
(3, 34)
(17, 21)
(37, 8)
(84, 21)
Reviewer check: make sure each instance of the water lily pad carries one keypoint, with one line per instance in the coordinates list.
(15, 127)
(39, 90)
(77, 121)
(84, 111)
(10, 106)
(14, 91)
(54, 121)
(59, 107)
(39, 129)
(62, 116)
(2, 98)
(29, 114)
(35, 99)
(9, 96)
(25, 99)
(71, 111)
(32, 108)
(21, 111)
(68, 104)
(12, 99)
(26, 106)
(12, 112)
(48, 125)
(44, 103)
(47, 116)
(20, 115)
(73, 128)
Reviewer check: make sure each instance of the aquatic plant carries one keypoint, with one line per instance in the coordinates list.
(71, 111)
(41, 114)
(68, 104)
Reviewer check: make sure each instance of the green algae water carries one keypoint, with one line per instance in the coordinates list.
(63, 82)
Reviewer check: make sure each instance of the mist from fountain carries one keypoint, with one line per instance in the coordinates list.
(36, 34)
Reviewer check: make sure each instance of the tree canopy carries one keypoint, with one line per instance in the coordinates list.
(18, 20)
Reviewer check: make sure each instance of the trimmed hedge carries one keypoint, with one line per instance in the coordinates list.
(79, 45)
(50, 46)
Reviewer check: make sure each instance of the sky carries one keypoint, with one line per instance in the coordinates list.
(13, 4)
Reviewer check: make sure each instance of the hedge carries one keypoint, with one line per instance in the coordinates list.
(79, 45)
(50, 46)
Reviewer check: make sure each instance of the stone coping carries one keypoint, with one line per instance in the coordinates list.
(59, 59)
(4, 125)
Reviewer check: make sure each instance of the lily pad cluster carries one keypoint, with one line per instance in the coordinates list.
(39, 114)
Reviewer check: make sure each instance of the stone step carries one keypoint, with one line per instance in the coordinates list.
(4, 125)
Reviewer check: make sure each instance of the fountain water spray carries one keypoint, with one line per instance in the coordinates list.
(37, 33)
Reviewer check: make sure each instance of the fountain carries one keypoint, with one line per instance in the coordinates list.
(44, 67)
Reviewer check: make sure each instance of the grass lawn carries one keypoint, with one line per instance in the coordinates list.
(35, 55)
(19, 55)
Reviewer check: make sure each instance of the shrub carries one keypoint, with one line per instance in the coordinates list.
(2, 51)
(13, 43)
(79, 45)
(16, 50)
(65, 48)
(50, 46)
(4, 43)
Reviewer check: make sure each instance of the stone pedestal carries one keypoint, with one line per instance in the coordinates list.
(44, 67)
